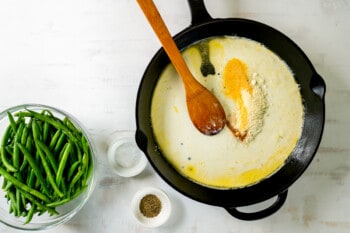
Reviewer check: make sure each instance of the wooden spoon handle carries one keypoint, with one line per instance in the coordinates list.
(154, 18)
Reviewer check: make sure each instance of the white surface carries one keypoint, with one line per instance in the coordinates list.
(88, 56)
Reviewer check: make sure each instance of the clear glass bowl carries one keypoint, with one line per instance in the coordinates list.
(66, 211)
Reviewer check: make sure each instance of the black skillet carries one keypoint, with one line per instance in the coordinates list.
(312, 89)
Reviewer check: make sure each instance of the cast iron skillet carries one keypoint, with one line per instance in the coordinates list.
(312, 88)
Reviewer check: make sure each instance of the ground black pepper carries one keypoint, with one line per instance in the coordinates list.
(150, 206)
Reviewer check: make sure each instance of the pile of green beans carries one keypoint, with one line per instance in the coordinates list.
(45, 162)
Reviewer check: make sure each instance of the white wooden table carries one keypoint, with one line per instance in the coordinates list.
(88, 56)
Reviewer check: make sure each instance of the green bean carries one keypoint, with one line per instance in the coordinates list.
(89, 171)
(13, 202)
(4, 183)
(59, 144)
(79, 152)
(60, 155)
(30, 124)
(30, 214)
(4, 160)
(54, 139)
(49, 174)
(23, 165)
(18, 202)
(68, 123)
(33, 163)
(71, 127)
(16, 155)
(9, 150)
(24, 201)
(48, 112)
(24, 135)
(8, 186)
(68, 199)
(6, 163)
(6, 136)
(37, 185)
(29, 143)
(23, 186)
(36, 131)
(85, 166)
(73, 153)
(32, 198)
(46, 131)
(49, 155)
(18, 134)
(62, 164)
(12, 121)
(74, 180)
(63, 186)
(52, 121)
(85, 145)
(31, 179)
(72, 169)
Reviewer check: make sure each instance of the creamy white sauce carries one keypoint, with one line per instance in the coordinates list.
(225, 161)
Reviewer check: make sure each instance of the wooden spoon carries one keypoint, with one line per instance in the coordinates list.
(205, 111)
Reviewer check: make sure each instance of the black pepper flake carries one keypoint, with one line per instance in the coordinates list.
(150, 206)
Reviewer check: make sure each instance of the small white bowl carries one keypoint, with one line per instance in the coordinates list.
(165, 211)
(125, 157)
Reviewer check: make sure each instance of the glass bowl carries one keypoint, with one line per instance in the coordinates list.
(65, 211)
(125, 158)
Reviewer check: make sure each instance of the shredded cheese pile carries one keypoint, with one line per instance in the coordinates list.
(247, 119)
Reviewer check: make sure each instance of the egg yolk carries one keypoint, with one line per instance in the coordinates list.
(236, 80)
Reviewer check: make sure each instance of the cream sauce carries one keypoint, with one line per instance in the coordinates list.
(273, 116)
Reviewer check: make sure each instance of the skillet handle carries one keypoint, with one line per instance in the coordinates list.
(318, 85)
(281, 198)
(199, 13)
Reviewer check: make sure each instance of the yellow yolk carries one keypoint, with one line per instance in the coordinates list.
(236, 80)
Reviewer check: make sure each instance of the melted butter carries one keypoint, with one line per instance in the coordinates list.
(190, 169)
